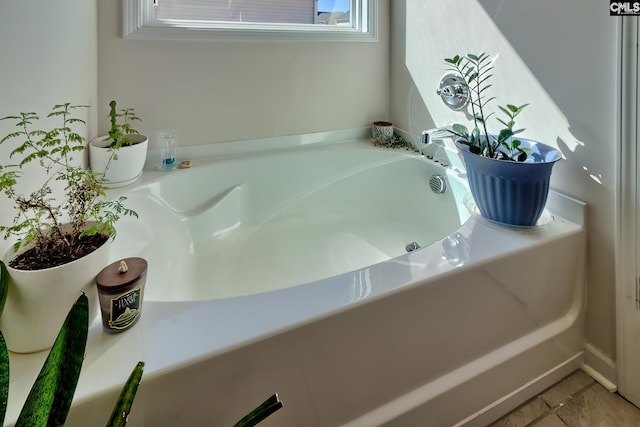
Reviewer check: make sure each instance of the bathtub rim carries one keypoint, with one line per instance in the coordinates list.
(96, 381)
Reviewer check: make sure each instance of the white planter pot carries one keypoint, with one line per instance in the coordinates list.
(123, 168)
(38, 301)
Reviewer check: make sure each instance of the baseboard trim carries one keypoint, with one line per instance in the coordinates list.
(520, 395)
(600, 367)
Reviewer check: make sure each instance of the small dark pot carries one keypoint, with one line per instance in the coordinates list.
(508, 192)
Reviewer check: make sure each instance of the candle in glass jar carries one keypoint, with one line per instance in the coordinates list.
(120, 291)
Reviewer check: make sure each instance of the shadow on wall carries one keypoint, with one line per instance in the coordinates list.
(549, 83)
(418, 117)
(513, 81)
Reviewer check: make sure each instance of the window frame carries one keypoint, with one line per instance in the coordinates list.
(139, 23)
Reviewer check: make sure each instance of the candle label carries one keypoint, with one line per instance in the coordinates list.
(125, 309)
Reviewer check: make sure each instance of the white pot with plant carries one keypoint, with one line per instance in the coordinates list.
(61, 239)
(508, 176)
(120, 155)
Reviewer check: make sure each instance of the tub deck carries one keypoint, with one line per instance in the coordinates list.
(452, 333)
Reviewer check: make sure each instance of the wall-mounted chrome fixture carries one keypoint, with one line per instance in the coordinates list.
(454, 91)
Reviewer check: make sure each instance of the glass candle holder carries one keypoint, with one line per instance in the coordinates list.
(120, 291)
(168, 142)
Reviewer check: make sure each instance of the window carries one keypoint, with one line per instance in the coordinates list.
(323, 20)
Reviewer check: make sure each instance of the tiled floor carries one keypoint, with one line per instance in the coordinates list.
(576, 401)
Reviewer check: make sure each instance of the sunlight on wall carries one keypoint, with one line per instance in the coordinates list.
(434, 32)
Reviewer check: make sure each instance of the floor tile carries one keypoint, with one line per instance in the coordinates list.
(550, 420)
(565, 389)
(524, 415)
(596, 406)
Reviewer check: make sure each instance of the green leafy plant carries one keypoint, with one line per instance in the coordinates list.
(50, 398)
(121, 126)
(476, 70)
(39, 216)
(51, 395)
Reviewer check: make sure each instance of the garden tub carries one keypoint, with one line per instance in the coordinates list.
(355, 281)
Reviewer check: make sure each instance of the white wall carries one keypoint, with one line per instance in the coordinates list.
(559, 56)
(223, 91)
(49, 56)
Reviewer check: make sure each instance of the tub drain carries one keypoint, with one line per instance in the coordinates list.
(412, 247)
(438, 184)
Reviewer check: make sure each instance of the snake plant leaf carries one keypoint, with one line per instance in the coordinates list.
(121, 410)
(4, 354)
(4, 378)
(266, 408)
(50, 397)
(4, 285)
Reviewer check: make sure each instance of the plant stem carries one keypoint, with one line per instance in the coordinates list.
(480, 105)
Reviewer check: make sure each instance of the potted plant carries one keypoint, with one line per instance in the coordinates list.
(508, 175)
(120, 155)
(60, 242)
(50, 398)
(51, 395)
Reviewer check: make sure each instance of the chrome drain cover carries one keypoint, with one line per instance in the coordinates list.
(438, 184)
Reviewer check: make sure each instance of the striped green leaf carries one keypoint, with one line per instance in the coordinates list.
(50, 397)
(4, 285)
(4, 354)
(266, 408)
(121, 410)
(4, 378)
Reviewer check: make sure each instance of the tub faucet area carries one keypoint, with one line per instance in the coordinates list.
(436, 133)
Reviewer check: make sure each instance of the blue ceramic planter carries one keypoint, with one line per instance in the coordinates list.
(508, 192)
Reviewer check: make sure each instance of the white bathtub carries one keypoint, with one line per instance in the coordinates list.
(276, 266)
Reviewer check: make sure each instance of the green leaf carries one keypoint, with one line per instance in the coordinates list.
(475, 134)
(512, 108)
(505, 124)
(4, 378)
(454, 60)
(265, 409)
(50, 397)
(505, 111)
(484, 88)
(482, 62)
(4, 285)
(505, 134)
(460, 130)
(120, 413)
(475, 150)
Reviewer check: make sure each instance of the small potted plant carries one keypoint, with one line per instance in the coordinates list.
(60, 236)
(120, 155)
(508, 175)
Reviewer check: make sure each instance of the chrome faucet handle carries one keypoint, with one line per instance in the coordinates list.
(453, 91)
